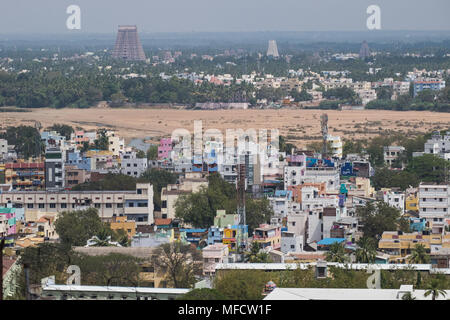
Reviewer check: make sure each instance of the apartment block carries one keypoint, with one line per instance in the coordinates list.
(434, 202)
(212, 255)
(25, 175)
(131, 165)
(391, 154)
(135, 205)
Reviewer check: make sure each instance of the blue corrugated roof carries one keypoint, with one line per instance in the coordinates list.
(328, 241)
(193, 230)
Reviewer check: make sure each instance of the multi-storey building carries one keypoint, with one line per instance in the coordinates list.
(54, 169)
(116, 144)
(164, 148)
(25, 175)
(295, 170)
(395, 199)
(135, 205)
(268, 236)
(335, 145)
(399, 245)
(434, 202)
(391, 154)
(432, 84)
(131, 165)
(192, 182)
(73, 176)
(212, 255)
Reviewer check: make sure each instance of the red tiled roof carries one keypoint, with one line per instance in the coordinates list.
(7, 263)
(162, 222)
(22, 165)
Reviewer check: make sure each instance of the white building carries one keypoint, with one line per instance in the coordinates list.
(391, 154)
(311, 199)
(116, 144)
(336, 146)
(135, 205)
(131, 165)
(290, 242)
(434, 202)
(395, 199)
(3, 148)
(438, 145)
(329, 175)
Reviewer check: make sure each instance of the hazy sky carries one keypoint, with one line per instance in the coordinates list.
(103, 16)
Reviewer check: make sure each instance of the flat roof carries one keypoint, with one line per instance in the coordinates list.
(347, 294)
(78, 288)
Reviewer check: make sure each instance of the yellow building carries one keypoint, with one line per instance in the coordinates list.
(124, 224)
(400, 245)
(412, 203)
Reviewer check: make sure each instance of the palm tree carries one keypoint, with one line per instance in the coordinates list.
(102, 239)
(366, 252)
(419, 254)
(408, 296)
(434, 288)
(336, 253)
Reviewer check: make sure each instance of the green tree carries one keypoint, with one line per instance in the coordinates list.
(408, 296)
(102, 141)
(241, 285)
(152, 152)
(141, 154)
(336, 253)
(159, 179)
(63, 129)
(257, 211)
(366, 251)
(26, 140)
(110, 182)
(419, 255)
(255, 255)
(47, 259)
(435, 289)
(113, 269)
(180, 263)
(76, 227)
(429, 168)
(200, 208)
(203, 294)
(378, 218)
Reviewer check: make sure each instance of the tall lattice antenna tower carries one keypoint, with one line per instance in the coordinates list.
(241, 204)
(272, 50)
(324, 126)
(128, 46)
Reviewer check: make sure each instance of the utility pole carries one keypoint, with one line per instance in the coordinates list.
(2, 245)
(324, 126)
(241, 205)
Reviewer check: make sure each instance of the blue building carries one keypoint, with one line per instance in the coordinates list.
(74, 158)
(347, 169)
(215, 235)
(417, 224)
(434, 85)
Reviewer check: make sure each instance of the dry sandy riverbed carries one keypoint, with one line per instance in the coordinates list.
(301, 126)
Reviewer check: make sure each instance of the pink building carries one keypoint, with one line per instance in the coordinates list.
(164, 148)
(212, 255)
(268, 236)
(7, 221)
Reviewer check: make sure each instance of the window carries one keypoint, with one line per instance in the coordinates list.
(109, 205)
(97, 205)
(120, 205)
(63, 205)
(52, 205)
(30, 206)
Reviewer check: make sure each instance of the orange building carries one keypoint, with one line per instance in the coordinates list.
(297, 190)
